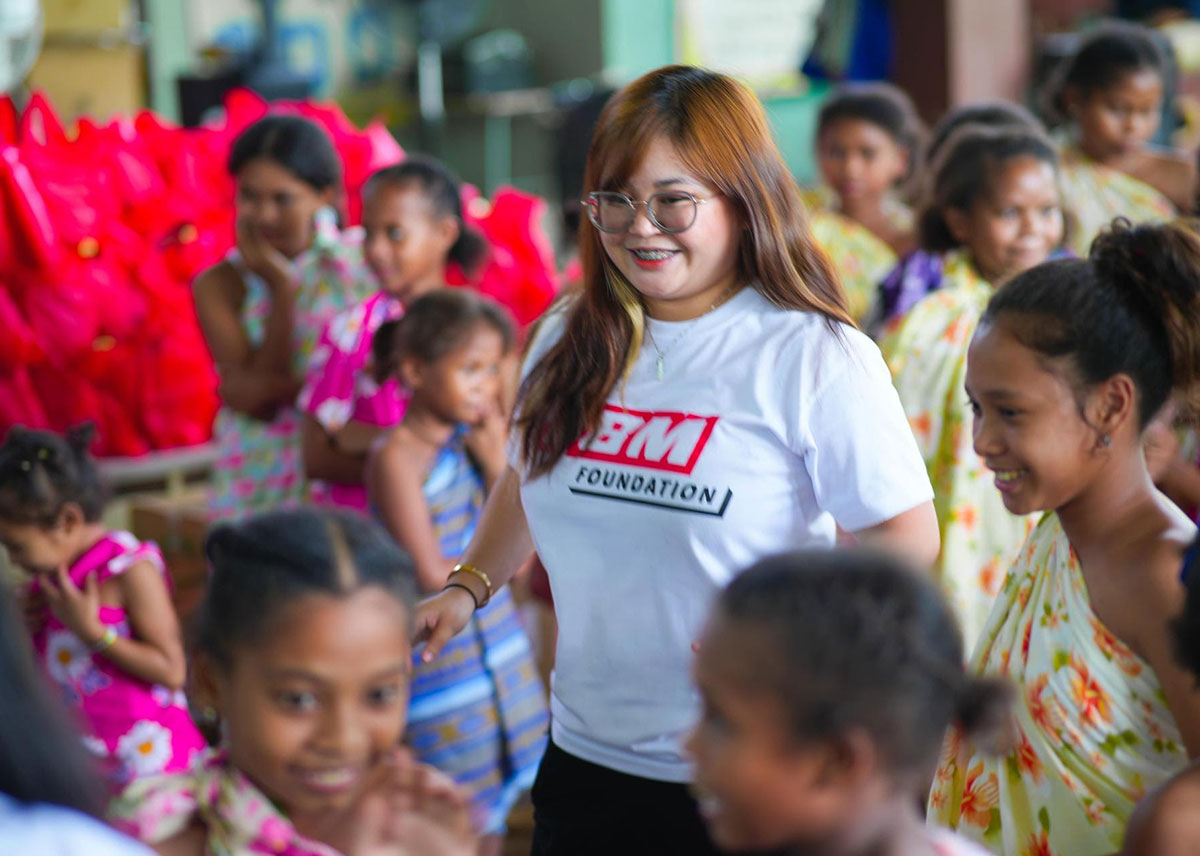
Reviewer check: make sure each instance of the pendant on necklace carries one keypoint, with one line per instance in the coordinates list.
(659, 367)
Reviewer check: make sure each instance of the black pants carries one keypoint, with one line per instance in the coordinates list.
(583, 809)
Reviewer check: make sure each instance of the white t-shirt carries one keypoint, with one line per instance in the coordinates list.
(50, 830)
(766, 427)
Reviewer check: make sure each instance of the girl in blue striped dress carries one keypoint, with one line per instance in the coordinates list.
(478, 711)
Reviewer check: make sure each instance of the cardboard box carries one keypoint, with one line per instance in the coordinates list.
(178, 527)
(85, 80)
(87, 17)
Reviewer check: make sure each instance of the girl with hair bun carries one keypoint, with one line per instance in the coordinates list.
(1110, 94)
(413, 228)
(99, 608)
(994, 212)
(868, 138)
(805, 746)
(1070, 363)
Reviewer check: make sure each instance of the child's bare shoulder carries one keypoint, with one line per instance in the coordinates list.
(1172, 174)
(1167, 823)
(402, 448)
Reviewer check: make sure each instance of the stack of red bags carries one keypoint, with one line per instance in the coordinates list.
(102, 232)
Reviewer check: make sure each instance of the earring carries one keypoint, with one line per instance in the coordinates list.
(1106, 441)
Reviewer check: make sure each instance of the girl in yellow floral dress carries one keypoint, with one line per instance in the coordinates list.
(920, 272)
(1069, 365)
(867, 141)
(1110, 93)
(994, 212)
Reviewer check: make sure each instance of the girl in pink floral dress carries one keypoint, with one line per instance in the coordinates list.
(98, 606)
(412, 229)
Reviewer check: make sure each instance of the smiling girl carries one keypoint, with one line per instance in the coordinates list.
(995, 212)
(262, 308)
(304, 655)
(1071, 362)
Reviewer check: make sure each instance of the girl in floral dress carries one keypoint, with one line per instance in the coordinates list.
(412, 229)
(98, 606)
(1070, 363)
(920, 272)
(1110, 94)
(304, 654)
(262, 308)
(867, 141)
(994, 212)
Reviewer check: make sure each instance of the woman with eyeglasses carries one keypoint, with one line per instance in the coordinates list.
(705, 401)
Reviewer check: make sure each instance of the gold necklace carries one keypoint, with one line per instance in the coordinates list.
(659, 364)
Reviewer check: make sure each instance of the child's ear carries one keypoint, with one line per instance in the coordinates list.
(411, 372)
(958, 223)
(904, 157)
(1112, 404)
(448, 230)
(71, 517)
(206, 684)
(1072, 101)
(207, 698)
(849, 759)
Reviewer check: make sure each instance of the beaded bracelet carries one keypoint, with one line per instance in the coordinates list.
(105, 642)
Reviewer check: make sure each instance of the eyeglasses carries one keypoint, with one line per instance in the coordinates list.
(671, 211)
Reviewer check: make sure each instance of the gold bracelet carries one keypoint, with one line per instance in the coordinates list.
(475, 572)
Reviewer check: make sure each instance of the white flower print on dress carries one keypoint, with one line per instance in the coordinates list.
(333, 413)
(166, 697)
(345, 329)
(144, 749)
(365, 386)
(320, 356)
(95, 746)
(67, 659)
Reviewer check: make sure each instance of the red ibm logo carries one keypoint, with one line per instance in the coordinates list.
(666, 441)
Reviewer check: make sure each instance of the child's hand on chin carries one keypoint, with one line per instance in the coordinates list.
(426, 812)
(406, 809)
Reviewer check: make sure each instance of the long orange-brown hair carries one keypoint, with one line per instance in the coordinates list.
(721, 134)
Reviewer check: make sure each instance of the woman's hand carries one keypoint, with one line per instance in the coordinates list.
(440, 618)
(263, 259)
(78, 609)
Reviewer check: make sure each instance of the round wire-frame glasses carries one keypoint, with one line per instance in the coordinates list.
(672, 211)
